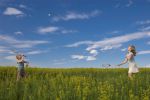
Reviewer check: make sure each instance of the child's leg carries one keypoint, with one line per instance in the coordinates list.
(18, 75)
(22, 73)
(130, 75)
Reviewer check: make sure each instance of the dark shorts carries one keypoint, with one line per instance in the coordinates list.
(21, 72)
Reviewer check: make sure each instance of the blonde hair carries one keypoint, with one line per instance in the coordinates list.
(133, 49)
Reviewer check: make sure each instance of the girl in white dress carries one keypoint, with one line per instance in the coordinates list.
(130, 59)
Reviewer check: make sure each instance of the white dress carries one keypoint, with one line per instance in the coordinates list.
(132, 65)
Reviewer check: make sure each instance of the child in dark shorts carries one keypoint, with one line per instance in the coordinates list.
(20, 64)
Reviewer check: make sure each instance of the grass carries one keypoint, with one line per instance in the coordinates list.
(74, 84)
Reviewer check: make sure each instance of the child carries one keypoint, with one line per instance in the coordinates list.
(20, 65)
(130, 59)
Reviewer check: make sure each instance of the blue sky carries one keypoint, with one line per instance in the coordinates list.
(74, 33)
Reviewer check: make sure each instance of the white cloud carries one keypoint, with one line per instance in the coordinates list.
(79, 57)
(52, 29)
(49, 14)
(68, 31)
(13, 11)
(23, 6)
(7, 39)
(35, 52)
(93, 52)
(49, 29)
(18, 33)
(73, 16)
(143, 22)
(144, 52)
(124, 49)
(121, 4)
(145, 25)
(130, 2)
(109, 47)
(114, 41)
(1, 47)
(21, 43)
(106, 44)
(90, 58)
(146, 28)
(82, 57)
(80, 43)
(2, 50)
(29, 43)
(11, 58)
(118, 40)
(114, 32)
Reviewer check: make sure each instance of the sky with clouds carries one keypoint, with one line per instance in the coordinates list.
(74, 33)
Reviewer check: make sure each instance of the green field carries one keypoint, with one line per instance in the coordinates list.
(74, 84)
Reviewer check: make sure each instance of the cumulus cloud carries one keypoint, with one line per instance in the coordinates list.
(13, 11)
(79, 57)
(82, 57)
(74, 15)
(90, 58)
(93, 52)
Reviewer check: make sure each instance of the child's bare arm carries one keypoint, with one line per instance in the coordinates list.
(124, 62)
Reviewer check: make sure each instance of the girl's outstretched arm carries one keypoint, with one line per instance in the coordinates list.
(124, 62)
